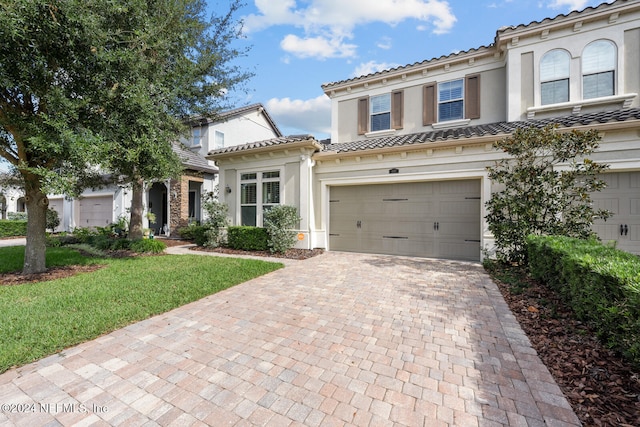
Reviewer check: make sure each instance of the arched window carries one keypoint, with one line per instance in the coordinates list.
(598, 69)
(554, 77)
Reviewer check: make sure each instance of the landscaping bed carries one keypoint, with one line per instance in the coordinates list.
(299, 254)
(602, 388)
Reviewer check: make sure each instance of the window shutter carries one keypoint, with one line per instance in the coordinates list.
(397, 109)
(429, 104)
(363, 116)
(472, 97)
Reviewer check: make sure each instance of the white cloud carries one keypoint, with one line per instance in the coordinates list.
(384, 43)
(307, 116)
(372, 67)
(568, 4)
(317, 47)
(333, 21)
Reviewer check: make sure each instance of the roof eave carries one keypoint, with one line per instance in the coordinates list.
(304, 144)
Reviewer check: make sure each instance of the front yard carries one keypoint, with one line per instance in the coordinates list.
(41, 318)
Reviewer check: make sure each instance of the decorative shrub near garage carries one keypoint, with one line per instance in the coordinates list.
(600, 283)
(11, 228)
(247, 238)
(280, 222)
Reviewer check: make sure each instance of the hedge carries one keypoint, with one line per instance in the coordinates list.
(10, 228)
(600, 283)
(247, 238)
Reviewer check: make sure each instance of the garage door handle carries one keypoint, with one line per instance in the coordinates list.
(359, 224)
(436, 226)
(624, 229)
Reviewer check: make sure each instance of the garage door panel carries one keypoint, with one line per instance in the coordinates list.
(401, 219)
(96, 211)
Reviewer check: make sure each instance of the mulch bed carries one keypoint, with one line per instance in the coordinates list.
(299, 254)
(10, 279)
(603, 389)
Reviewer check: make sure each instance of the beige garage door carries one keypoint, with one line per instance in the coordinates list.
(427, 219)
(96, 211)
(622, 197)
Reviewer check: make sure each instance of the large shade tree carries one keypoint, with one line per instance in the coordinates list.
(103, 83)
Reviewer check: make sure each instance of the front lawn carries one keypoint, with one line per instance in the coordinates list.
(40, 319)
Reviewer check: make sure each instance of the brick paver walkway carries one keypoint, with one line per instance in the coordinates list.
(339, 339)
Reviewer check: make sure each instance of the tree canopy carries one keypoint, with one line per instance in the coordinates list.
(104, 83)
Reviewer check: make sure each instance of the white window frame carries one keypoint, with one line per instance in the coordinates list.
(379, 112)
(259, 182)
(459, 99)
(218, 139)
(599, 68)
(555, 76)
(196, 136)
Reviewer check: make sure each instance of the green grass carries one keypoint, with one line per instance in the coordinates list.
(12, 258)
(40, 319)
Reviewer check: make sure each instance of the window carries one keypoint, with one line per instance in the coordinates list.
(196, 136)
(554, 77)
(380, 112)
(258, 193)
(450, 100)
(598, 69)
(218, 140)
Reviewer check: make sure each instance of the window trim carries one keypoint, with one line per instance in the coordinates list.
(613, 71)
(396, 119)
(217, 132)
(259, 180)
(193, 136)
(555, 79)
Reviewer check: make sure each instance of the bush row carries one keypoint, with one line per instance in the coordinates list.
(10, 228)
(103, 240)
(600, 283)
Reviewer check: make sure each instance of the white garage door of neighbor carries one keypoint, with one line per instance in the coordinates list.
(426, 219)
(57, 205)
(622, 197)
(96, 211)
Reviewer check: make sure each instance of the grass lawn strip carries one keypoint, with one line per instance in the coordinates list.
(40, 319)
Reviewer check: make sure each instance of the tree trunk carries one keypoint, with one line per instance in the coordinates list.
(135, 224)
(36, 203)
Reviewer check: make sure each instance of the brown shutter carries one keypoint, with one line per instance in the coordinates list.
(397, 109)
(363, 116)
(429, 104)
(472, 97)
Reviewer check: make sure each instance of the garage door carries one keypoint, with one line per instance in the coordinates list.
(96, 211)
(426, 219)
(622, 197)
(57, 205)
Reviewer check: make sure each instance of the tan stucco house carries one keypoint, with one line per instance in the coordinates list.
(405, 170)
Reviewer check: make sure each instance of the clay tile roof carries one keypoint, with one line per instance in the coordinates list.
(498, 129)
(192, 160)
(273, 142)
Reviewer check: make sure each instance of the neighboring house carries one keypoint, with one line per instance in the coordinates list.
(174, 202)
(11, 201)
(405, 171)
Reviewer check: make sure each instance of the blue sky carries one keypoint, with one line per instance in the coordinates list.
(298, 45)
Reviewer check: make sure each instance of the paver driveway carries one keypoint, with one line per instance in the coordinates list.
(339, 339)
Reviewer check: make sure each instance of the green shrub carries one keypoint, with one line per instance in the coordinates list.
(600, 283)
(217, 219)
(148, 246)
(193, 232)
(280, 222)
(10, 228)
(53, 241)
(85, 234)
(120, 244)
(52, 219)
(17, 216)
(247, 238)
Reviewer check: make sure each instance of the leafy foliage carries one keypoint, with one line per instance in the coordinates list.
(148, 246)
(280, 221)
(247, 238)
(217, 214)
(546, 185)
(10, 228)
(53, 219)
(600, 283)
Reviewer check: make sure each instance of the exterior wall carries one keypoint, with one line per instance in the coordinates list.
(493, 107)
(11, 201)
(179, 200)
(525, 49)
(295, 179)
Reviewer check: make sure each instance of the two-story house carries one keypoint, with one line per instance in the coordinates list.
(405, 172)
(174, 202)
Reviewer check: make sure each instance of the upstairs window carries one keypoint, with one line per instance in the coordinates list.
(380, 112)
(598, 69)
(196, 136)
(554, 77)
(451, 100)
(218, 140)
